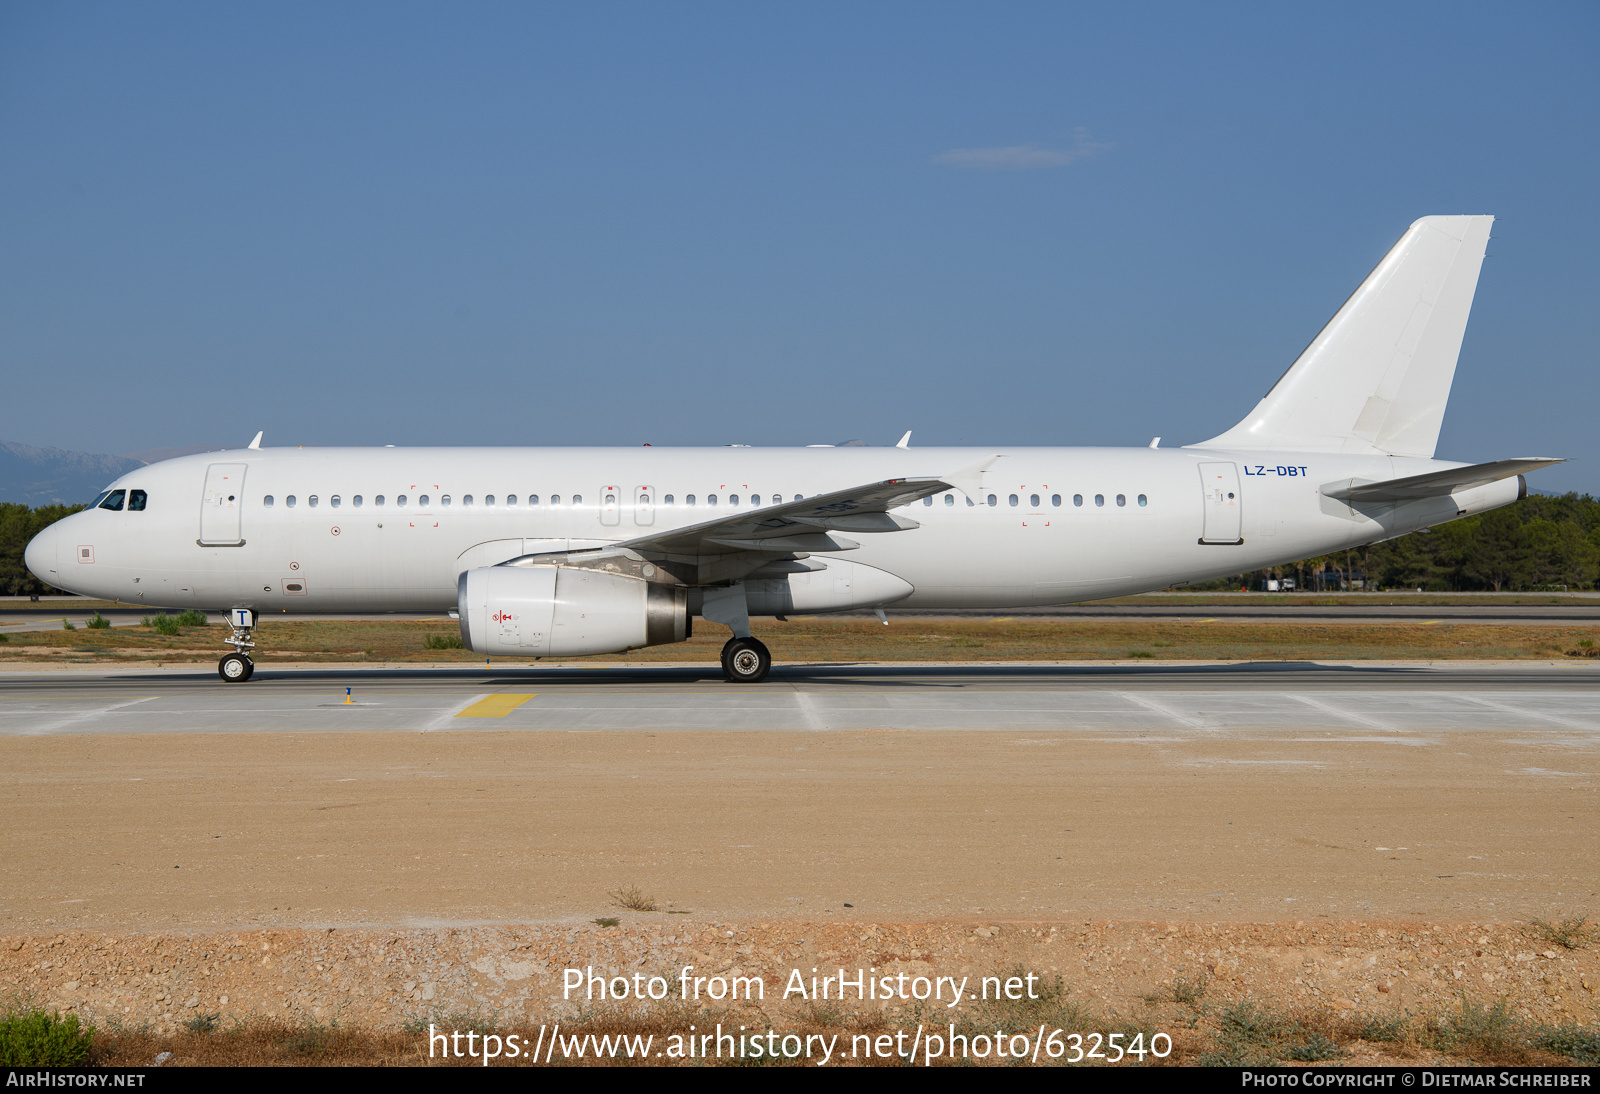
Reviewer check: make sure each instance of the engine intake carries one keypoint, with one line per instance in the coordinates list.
(559, 611)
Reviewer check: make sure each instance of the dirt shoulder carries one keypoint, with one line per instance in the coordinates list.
(1367, 992)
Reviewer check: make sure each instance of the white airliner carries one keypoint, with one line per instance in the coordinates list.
(555, 552)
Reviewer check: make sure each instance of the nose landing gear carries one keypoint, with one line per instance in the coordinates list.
(236, 667)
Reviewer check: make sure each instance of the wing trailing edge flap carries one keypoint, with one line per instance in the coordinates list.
(1435, 483)
(796, 527)
(732, 546)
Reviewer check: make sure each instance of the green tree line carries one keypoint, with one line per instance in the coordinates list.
(1538, 542)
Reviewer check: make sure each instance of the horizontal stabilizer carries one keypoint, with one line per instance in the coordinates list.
(1435, 483)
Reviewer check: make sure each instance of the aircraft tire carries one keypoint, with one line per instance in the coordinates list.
(746, 661)
(235, 668)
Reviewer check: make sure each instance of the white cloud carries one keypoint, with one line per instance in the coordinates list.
(1024, 157)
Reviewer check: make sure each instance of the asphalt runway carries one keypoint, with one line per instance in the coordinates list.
(1366, 701)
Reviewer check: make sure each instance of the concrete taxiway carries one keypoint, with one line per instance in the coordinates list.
(1390, 700)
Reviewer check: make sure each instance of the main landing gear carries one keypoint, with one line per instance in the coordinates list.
(745, 661)
(236, 667)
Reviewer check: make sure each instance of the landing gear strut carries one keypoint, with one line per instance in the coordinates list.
(236, 667)
(745, 661)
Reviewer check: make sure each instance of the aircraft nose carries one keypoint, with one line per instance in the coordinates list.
(40, 555)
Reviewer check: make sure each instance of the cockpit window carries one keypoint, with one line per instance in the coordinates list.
(95, 504)
(136, 500)
(113, 500)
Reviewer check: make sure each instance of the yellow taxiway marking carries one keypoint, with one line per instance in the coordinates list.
(495, 706)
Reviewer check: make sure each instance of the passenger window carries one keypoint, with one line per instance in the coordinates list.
(1033, 500)
(511, 501)
(928, 500)
(577, 499)
(689, 501)
(555, 499)
(992, 501)
(777, 499)
(422, 500)
(334, 501)
(356, 501)
(1143, 501)
(400, 502)
(949, 499)
(136, 500)
(711, 499)
(289, 501)
(611, 499)
(1099, 499)
(1055, 499)
(113, 501)
(1122, 500)
(1077, 499)
(378, 501)
(733, 500)
(1013, 501)
(799, 497)
(312, 501)
(466, 500)
(266, 502)
(667, 500)
(444, 501)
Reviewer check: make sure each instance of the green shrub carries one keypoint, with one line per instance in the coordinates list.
(98, 623)
(163, 623)
(36, 1039)
(192, 618)
(68, 625)
(1579, 1044)
(4, 637)
(444, 642)
(203, 1022)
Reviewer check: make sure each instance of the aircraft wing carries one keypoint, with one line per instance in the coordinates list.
(1434, 483)
(798, 526)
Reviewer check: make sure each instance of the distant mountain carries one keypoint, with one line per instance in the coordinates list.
(52, 476)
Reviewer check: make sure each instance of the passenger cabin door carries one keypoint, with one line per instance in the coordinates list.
(644, 505)
(1220, 483)
(219, 508)
(610, 505)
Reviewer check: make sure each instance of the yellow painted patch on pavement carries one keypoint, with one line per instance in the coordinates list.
(495, 706)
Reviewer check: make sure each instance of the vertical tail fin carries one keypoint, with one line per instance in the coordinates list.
(1377, 378)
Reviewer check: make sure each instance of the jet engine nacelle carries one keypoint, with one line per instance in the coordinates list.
(558, 611)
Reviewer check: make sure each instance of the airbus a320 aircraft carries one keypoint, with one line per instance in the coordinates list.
(570, 551)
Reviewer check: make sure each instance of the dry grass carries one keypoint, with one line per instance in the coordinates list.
(634, 899)
(850, 639)
(1572, 933)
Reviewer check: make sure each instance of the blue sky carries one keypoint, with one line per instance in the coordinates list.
(702, 224)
